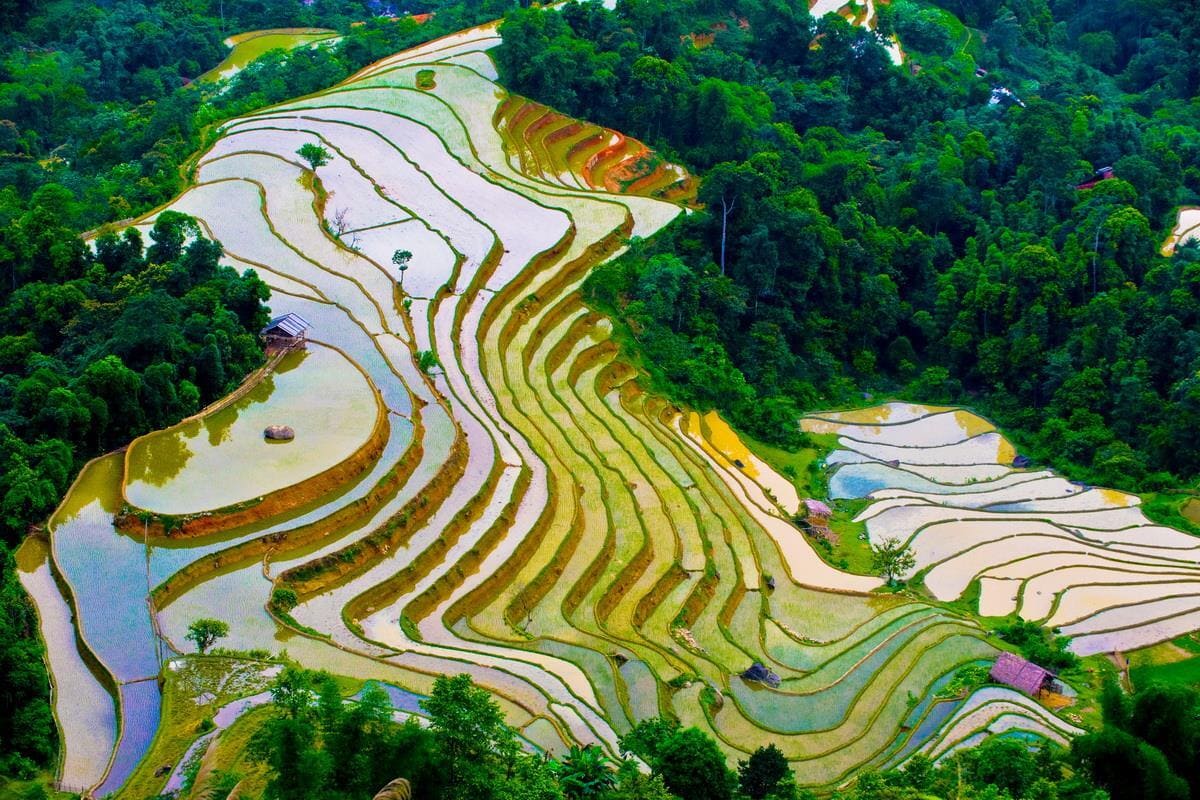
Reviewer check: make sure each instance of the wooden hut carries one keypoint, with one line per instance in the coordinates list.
(1022, 675)
(286, 332)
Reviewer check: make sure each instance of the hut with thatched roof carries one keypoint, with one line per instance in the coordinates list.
(1022, 675)
(816, 510)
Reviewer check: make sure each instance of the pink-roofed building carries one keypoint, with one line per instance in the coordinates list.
(1025, 676)
(818, 510)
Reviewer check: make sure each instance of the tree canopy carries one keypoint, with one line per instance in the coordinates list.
(870, 229)
(319, 744)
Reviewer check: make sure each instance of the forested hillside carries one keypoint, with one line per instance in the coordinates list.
(891, 230)
(97, 97)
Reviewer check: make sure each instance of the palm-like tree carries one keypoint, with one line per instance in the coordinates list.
(585, 772)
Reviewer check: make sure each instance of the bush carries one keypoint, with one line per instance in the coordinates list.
(922, 29)
(1041, 646)
(284, 599)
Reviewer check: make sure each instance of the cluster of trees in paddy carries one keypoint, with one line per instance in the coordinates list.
(867, 228)
(316, 746)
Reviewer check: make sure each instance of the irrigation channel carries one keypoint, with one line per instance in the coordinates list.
(520, 509)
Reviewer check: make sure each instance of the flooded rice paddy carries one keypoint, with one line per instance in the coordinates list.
(222, 458)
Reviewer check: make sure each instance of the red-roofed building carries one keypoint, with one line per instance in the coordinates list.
(1022, 675)
(1102, 174)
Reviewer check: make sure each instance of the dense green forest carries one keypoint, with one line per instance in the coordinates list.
(871, 229)
(315, 746)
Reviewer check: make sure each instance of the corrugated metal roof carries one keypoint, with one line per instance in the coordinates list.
(288, 324)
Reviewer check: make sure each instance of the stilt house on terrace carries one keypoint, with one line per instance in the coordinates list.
(287, 332)
(1025, 676)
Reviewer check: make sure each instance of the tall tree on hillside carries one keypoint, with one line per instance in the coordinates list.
(728, 187)
(287, 743)
(689, 761)
(892, 559)
(761, 773)
(470, 735)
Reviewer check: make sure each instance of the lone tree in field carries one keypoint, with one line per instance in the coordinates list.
(401, 258)
(891, 559)
(206, 631)
(340, 222)
(314, 154)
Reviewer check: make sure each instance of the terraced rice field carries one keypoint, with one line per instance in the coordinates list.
(1079, 558)
(526, 514)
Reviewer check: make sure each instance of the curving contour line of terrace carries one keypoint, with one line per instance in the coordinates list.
(1028, 542)
(524, 512)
